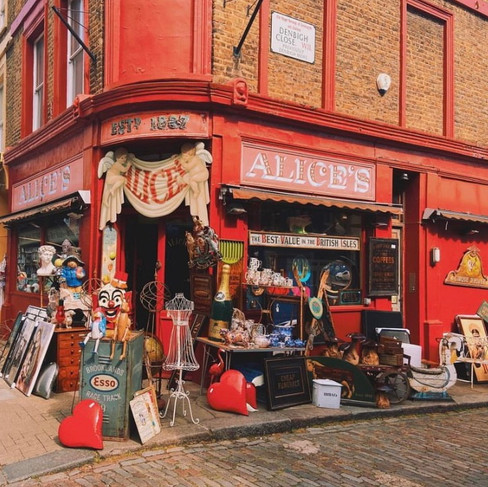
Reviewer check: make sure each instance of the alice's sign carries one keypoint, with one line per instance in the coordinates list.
(306, 172)
(48, 185)
(308, 241)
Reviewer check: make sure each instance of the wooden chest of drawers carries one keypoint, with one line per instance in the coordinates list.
(66, 352)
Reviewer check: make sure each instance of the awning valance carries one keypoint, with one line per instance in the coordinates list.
(438, 214)
(75, 202)
(243, 193)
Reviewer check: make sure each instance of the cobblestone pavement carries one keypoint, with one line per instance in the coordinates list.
(437, 449)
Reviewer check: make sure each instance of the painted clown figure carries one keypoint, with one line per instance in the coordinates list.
(111, 297)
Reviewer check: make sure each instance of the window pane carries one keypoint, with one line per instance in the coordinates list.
(75, 52)
(29, 240)
(38, 83)
(61, 231)
(65, 228)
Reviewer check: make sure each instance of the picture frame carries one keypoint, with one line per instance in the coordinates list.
(34, 357)
(473, 328)
(19, 350)
(286, 381)
(145, 414)
(4, 356)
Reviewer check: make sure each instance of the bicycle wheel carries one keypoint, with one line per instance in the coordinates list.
(398, 383)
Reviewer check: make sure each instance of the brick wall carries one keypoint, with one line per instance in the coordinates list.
(367, 44)
(14, 62)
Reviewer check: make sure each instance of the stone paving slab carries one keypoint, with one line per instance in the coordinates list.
(29, 426)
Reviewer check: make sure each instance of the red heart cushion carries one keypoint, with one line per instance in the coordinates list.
(84, 427)
(251, 395)
(229, 394)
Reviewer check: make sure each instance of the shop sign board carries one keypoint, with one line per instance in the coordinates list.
(306, 172)
(383, 267)
(155, 124)
(308, 241)
(286, 382)
(49, 185)
(292, 38)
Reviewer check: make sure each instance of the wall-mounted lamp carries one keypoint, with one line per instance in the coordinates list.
(435, 255)
(235, 208)
(469, 232)
(383, 82)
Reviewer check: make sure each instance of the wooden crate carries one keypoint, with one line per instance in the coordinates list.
(390, 346)
(391, 359)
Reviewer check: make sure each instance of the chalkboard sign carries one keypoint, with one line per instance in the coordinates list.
(383, 267)
(286, 382)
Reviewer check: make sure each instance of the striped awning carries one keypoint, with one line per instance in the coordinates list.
(244, 193)
(75, 202)
(433, 214)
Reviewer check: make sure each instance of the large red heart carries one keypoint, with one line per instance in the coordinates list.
(84, 427)
(229, 394)
(251, 399)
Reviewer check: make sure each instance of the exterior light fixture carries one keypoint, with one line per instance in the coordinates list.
(435, 255)
(383, 82)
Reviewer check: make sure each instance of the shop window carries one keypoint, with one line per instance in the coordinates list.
(29, 240)
(342, 229)
(30, 236)
(75, 51)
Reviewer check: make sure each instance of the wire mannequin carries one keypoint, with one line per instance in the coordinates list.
(180, 355)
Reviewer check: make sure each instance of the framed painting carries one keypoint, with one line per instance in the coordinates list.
(19, 350)
(34, 357)
(36, 313)
(10, 341)
(286, 381)
(473, 328)
(146, 415)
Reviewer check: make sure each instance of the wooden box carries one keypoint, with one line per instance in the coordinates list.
(391, 359)
(390, 346)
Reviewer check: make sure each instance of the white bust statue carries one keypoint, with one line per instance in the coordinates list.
(46, 254)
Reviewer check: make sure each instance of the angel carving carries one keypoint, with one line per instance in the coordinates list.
(115, 165)
(193, 159)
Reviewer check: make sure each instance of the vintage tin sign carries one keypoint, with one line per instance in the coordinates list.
(112, 383)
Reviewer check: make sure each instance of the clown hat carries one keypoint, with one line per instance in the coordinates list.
(120, 280)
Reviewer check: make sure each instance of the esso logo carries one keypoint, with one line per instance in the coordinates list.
(104, 382)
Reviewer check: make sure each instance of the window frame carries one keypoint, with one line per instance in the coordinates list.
(32, 33)
(74, 82)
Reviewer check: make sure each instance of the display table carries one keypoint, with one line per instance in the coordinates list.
(231, 349)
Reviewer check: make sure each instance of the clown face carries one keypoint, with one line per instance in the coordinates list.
(109, 300)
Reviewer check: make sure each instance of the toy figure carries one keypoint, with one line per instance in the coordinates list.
(122, 329)
(73, 272)
(110, 298)
(98, 327)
